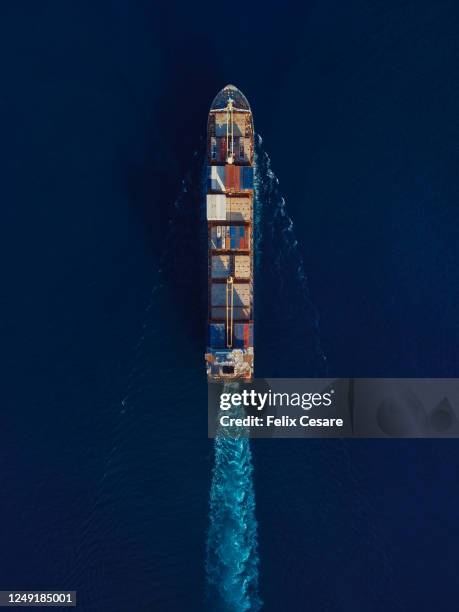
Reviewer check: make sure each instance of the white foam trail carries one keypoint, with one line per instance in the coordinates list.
(232, 544)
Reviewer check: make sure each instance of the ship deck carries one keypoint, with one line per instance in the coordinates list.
(230, 196)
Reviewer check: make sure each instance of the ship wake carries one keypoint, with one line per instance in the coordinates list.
(232, 546)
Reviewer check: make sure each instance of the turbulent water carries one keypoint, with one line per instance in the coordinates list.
(232, 547)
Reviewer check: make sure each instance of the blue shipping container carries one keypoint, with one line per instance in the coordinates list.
(217, 335)
(237, 237)
(216, 178)
(246, 179)
(238, 335)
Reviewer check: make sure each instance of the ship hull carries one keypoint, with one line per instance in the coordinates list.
(229, 212)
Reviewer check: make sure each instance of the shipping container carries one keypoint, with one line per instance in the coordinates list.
(238, 208)
(218, 237)
(238, 128)
(221, 266)
(240, 151)
(240, 313)
(242, 335)
(246, 177)
(211, 126)
(247, 150)
(216, 178)
(242, 294)
(242, 266)
(218, 294)
(248, 335)
(236, 140)
(217, 335)
(238, 237)
(232, 174)
(218, 312)
(239, 124)
(216, 207)
(223, 151)
(238, 336)
(232, 235)
(213, 148)
(220, 124)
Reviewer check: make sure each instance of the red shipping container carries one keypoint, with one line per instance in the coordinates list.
(232, 177)
(246, 335)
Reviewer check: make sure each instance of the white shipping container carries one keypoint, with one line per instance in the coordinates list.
(242, 266)
(216, 207)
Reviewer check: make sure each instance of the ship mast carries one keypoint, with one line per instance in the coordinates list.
(229, 132)
(229, 311)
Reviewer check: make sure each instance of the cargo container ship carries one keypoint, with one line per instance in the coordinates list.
(229, 209)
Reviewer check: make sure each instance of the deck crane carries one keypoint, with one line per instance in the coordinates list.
(229, 132)
(229, 311)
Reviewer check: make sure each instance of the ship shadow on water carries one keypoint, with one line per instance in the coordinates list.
(165, 188)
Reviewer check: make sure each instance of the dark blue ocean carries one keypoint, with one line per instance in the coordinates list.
(105, 465)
